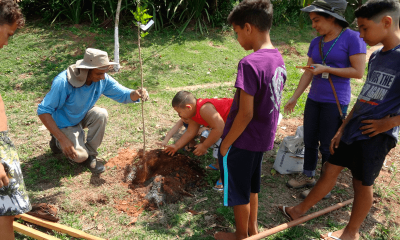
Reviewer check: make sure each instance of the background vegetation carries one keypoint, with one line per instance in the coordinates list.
(174, 13)
(177, 14)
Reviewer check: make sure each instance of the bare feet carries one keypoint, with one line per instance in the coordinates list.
(225, 236)
(341, 234)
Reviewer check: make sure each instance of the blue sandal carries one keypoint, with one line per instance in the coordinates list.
(211, 167)
(218, 186)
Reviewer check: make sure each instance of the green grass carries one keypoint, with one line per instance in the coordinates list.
(207, 64)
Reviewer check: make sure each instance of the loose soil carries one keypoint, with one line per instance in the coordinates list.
(154, 180)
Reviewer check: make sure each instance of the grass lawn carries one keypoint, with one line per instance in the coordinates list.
(205, 65)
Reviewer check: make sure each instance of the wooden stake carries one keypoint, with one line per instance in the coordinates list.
(299, 221)
(32, 232)
(57, 227)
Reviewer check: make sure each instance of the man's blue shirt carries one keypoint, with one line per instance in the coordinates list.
(69, 105)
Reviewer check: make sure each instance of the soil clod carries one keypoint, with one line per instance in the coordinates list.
(156, 180)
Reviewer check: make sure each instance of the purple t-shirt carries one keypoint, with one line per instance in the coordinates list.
(379, 97)
(261, 74)
(347, 45)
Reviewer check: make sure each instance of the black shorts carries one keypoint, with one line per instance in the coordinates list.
(240, 174)
(364, 157)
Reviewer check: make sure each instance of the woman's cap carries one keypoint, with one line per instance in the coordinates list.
(335, 8)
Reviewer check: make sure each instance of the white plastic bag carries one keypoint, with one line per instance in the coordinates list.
(290, 156)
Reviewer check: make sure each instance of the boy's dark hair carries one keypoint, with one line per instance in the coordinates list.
(375, 9)
(11, 13)
(343, 24)
(255, 12)
(182, 98)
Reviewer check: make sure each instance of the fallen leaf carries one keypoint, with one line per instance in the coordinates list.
(133, 221)
(193, 212)
(100, 227)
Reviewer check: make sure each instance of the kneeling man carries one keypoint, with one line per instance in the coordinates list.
(68, 107)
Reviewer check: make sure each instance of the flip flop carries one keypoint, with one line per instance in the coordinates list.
(332, 237)
(283, 210)
(211, 167)
(217, 186)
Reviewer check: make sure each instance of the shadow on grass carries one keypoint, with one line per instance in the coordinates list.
(47, 170)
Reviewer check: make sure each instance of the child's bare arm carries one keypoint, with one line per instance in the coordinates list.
(216, 123)
(171, 132)
(336, 139)
(4, 181)
(185, 139)
(242, 119)
(3, 117)
(375, 127)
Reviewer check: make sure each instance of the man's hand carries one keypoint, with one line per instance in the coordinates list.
(374, 127)
(68, 148)
(143, 94)
(223, 149)
(289, 106)
(200, 150)
(171, 149)
(4, 181)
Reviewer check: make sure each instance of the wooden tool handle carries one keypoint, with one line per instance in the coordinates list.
(57, 227)
(32, 232)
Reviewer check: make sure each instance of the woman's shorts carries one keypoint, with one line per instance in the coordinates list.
(13, 198)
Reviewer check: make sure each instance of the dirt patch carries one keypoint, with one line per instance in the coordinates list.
(287, 127)
(156, 180)
(89, 40)
(286, 49)
(211, 44)
(202, 86)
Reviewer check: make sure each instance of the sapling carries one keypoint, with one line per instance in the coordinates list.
(141, 18)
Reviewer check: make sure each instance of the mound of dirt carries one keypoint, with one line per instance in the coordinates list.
(158, 179)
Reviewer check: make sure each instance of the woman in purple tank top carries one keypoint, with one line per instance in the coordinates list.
(334, 57)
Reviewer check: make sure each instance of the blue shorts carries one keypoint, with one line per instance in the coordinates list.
(240, 174)
(364, 158)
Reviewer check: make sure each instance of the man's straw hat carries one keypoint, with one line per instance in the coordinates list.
(93, 58)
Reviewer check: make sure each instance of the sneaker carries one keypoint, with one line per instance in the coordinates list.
(305, 193)
(93, 165)
(301, 181)
(53, 145)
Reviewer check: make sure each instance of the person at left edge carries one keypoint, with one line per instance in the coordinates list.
(68, 107)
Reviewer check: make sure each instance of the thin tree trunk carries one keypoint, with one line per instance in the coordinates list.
(141, 77)
(116, 37)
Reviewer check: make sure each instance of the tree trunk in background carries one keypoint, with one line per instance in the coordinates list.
(116, 37)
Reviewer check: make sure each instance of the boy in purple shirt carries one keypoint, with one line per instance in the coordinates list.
(251, 125)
